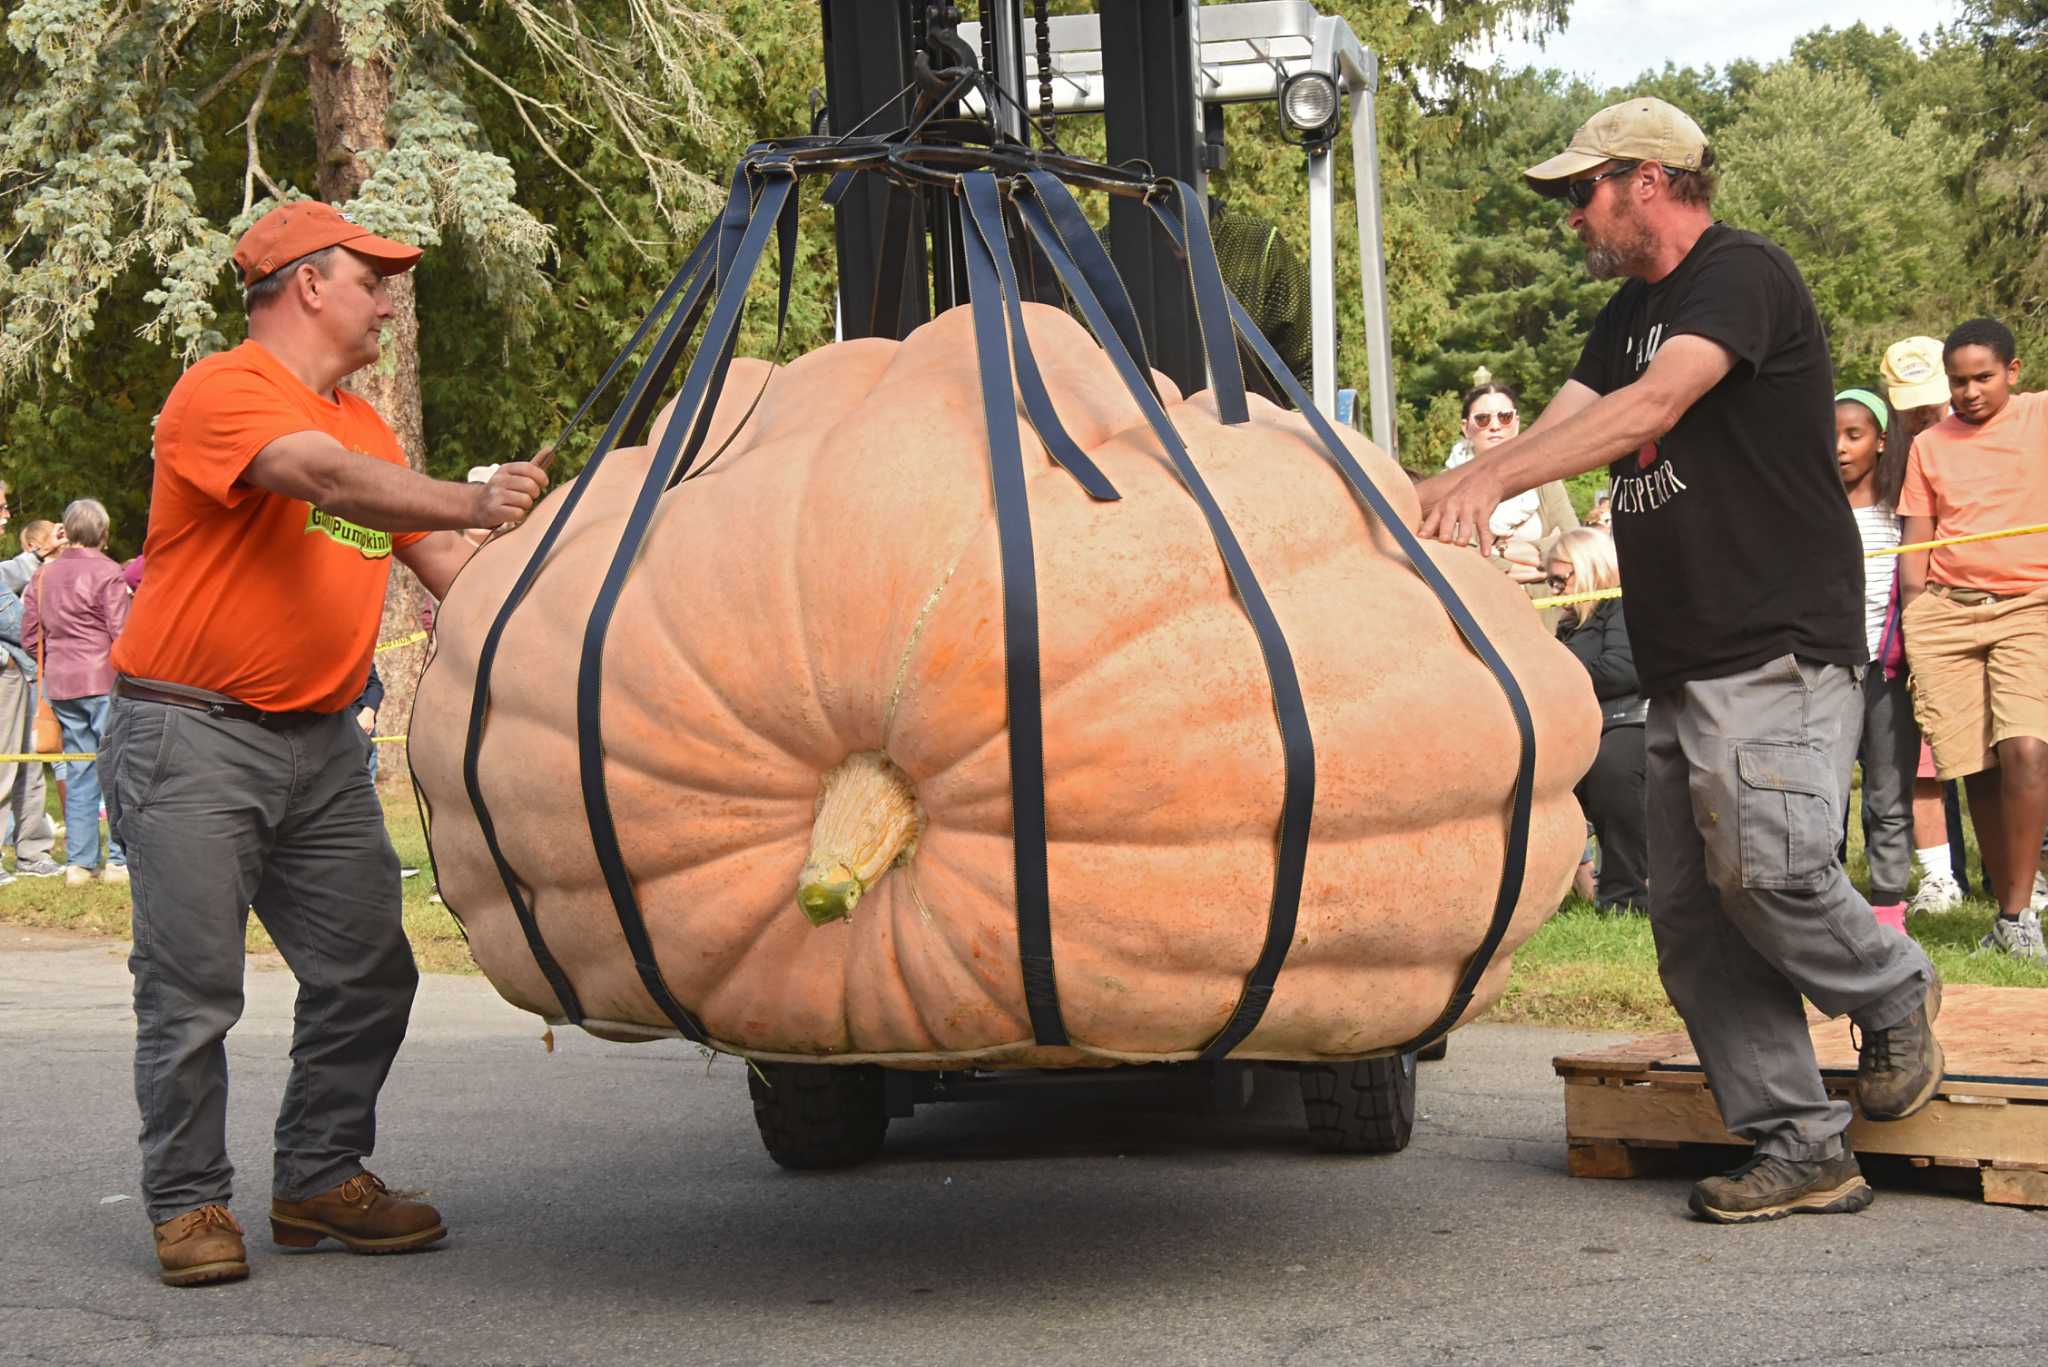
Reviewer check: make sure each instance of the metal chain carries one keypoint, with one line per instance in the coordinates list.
(1042, 19)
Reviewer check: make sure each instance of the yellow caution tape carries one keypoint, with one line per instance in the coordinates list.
(93, 755)
(1568, 599)
(403, 642)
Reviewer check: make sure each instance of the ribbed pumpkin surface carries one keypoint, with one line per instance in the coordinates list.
(830, 587)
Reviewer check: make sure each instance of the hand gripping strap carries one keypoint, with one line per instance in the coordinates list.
(737, 267)
(689, 284)
(1297, 805)
(1514, 859)
(1020, 627)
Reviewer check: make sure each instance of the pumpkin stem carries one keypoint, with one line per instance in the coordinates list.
(867, 819)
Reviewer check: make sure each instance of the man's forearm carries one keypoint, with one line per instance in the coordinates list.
(377, 494)
(1599, 434)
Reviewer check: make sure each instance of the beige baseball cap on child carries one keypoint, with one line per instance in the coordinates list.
(1642, 129)
(1913, 373)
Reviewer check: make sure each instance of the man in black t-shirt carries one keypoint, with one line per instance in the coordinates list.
(1706, 389)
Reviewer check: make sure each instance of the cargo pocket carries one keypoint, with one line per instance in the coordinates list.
(1786, 810)
(141, 756)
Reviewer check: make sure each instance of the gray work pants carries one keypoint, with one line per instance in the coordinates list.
(21, 781)
(1748, 778)
(219, 816)
(1890, 753)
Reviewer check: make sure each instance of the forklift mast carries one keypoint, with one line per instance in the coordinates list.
(1159, 72)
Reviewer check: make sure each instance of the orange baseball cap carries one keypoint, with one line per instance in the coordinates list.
(290, 231)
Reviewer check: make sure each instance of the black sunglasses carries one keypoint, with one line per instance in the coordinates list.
(1580, 192)
(1558, 582)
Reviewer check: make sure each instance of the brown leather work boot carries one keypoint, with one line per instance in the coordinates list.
(361, 1213)
(201, 1246)
(1899, 1070)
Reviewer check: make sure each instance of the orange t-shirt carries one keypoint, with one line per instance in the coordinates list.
(1984, 479)
(267, 599)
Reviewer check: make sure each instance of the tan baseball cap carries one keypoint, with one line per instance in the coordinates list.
(1642, 129)
(1914, 376)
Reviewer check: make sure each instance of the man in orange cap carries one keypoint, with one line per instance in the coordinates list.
(238, 777)
(1706, 388)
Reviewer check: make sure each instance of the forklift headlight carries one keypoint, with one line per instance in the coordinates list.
(1308, 101)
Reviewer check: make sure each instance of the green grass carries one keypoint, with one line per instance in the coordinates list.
(103, 909)
(1587, 970)
(1583, 970)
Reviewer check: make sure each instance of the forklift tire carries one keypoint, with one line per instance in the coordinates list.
(1362, 1107)
(815, 1116)
(1434, 1051)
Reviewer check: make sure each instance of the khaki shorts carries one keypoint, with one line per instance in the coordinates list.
(1979, 675)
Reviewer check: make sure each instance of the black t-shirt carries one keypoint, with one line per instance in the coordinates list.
(1737, 544)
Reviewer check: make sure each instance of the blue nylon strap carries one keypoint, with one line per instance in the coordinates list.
(1514, 859)
(986, 208)
(1212, 309)
(1020, 623)
(689, 287)
(698, 393)
(1077, 235)
(785, 231)
(1297, 744)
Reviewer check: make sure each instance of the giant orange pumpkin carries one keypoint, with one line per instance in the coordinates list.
(804, 715)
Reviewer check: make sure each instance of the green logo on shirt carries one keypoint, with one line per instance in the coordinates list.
(373, 545)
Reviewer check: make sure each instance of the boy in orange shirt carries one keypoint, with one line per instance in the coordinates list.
(1976, 616)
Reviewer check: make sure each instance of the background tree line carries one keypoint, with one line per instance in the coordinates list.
(559, 158)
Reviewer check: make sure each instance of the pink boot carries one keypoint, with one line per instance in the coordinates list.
(1893, 916)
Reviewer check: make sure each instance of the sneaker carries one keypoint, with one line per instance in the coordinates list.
(201, 1246)
(77, 876)
(114, 873)
(1938, 892)
(1769, 1187)
(2020, 938)
(1899, 1068)
(5, 878)
(38, 868)
(362, 1214)
(2039, 901)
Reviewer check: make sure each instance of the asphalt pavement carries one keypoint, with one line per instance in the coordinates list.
(611, 1204)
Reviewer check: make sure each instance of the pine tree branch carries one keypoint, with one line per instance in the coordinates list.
(254, 169)
(519, 102)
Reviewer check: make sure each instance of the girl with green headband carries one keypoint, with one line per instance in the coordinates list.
(1870, 447)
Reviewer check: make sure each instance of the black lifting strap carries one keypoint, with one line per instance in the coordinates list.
(738, 260)
(1297, 806)
(688, 286)
(1514, 858)
(1020, 628)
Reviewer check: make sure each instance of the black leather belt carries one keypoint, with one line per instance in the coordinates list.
(233, 711)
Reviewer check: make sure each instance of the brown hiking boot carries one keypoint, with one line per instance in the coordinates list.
(201, 1246)
(361, 1213)
(1768, 1187)
(1898, 1070)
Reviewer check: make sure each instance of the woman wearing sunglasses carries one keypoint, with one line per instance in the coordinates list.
(1612, 792)
(1491, 416)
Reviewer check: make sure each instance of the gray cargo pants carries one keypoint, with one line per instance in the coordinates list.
(219, 816)
(1748, 780)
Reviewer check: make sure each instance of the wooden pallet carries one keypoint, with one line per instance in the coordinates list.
(1627, 1109)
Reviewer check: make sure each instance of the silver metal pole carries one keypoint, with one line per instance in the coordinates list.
(1322, 279)
(1372, 260)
